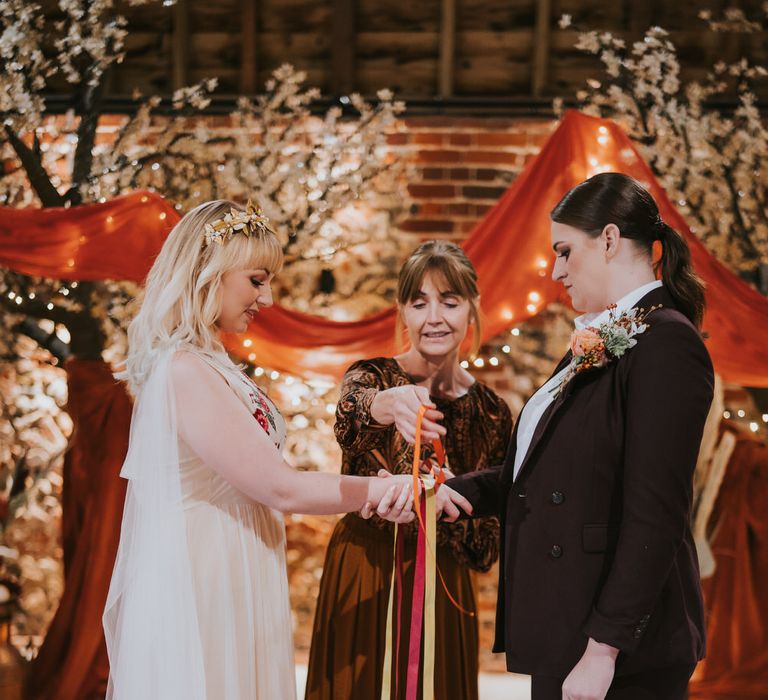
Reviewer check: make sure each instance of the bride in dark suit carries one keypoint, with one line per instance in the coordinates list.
(599, 592)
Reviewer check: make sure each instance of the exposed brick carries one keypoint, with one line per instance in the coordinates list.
(460, 139)
(398, 139)
(460, 209)
(460, 174)
(439, 156)
(528, 158)
(478, 192)
(435, 174)
(480, 210)
(457, 123)
(112, 120)
(428, 139)
(490, 157)
(427, 226)
(431, 191)
(512, 139)
(537, 140)
(431, 210)
(488, 174)
(466, 227)
(218, 121)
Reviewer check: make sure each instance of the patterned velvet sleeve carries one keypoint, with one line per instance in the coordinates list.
(356, 430)
(475, 541)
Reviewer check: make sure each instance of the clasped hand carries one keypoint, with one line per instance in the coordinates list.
(591, 678)
(397, 503)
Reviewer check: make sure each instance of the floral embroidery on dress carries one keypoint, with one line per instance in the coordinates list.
(261, 419)
(262, 411)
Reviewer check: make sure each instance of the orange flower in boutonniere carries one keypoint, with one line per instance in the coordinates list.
(596, 347)
(586, 342)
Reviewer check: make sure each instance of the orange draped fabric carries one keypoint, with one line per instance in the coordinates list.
(510, 248)
(116, 240)
(72, 664)
(736, 596)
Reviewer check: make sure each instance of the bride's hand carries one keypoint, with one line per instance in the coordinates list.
(396, 505)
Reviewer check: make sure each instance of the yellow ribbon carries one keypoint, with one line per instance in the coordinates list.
(386, 682)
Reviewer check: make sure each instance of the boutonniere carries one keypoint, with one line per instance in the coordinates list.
(596, 347)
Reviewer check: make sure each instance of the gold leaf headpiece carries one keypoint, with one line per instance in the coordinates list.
(246, 222)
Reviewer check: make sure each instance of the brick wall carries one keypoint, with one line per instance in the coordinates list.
(461, 166)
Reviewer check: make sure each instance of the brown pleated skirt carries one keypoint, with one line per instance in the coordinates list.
(348, 639)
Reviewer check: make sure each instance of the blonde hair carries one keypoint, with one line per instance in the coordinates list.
(454, 267)
(181, 300)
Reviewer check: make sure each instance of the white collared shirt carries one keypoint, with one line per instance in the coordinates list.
(537, 404)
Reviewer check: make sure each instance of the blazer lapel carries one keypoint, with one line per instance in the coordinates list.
(656, 297)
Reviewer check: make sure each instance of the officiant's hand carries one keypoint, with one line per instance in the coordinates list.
(397, 503)
(400, 405)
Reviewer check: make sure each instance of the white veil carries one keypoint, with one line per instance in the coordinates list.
(150, 619)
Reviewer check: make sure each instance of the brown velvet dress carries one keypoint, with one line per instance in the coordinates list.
(348, 640)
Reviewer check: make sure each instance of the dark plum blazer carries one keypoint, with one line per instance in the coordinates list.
(596, 539)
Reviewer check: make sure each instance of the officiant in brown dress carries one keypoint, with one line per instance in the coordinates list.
(375, 427)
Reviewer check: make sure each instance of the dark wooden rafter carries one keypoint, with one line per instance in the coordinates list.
(342, 47)
(249, 43)
(447, 48)
(180, 63)
(639, 15)
(541, 37)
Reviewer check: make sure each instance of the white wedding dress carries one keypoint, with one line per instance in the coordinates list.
(198, 607)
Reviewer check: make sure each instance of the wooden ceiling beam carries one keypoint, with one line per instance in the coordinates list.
(447, 48)
(249, 43)
(540, 64)
(180, 43)
(343, 47)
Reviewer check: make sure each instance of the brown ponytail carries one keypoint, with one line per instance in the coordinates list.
(615, 198)
(678, 276)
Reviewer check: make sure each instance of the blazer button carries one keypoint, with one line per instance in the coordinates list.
(638, 632)
(556, 552)
(557, 498)
(521, 494)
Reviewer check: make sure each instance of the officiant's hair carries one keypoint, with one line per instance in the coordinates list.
(181, 300)
(452, 264)
(615, 198)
